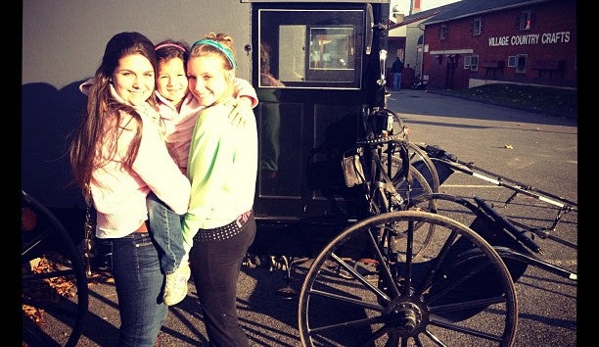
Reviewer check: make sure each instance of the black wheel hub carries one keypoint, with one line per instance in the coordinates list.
(407, 317)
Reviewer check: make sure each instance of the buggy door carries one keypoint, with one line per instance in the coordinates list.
(312, 70)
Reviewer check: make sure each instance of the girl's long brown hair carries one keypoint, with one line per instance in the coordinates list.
(103, 109)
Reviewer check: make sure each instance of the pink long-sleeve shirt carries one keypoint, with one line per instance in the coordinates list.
(120, 194)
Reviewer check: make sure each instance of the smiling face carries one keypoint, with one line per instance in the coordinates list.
(209, 81)
(133, 79)
(172, 81)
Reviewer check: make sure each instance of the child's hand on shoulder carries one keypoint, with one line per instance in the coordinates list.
(242, 110)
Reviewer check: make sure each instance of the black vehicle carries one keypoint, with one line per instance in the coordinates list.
(329, 58)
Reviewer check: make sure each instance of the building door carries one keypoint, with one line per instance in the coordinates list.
(450, 71)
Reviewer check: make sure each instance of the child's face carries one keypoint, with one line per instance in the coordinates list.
(172, 81)
(208, 80)
(133, 79)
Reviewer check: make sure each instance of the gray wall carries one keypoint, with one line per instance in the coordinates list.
(63, 43)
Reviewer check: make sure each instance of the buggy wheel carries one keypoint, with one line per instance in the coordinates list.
(423, 189)
(418, 186)
(423, 163)
(398, 300)
(420, 160)
(423, 173)
(54, 283)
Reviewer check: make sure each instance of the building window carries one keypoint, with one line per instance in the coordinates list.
(521, 63)
(442, 32)
(477, 27)
(525, 22)
(474, 63)
(471, 62)
(518, 62)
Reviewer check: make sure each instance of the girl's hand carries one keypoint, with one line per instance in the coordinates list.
(240, 112)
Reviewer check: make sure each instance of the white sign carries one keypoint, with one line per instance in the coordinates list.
(530, 39)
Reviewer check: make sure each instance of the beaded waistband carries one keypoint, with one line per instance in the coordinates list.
(226, 231)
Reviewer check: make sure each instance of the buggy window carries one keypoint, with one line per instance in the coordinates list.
(312, 48)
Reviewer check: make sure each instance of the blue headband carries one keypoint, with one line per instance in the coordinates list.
(220, 47)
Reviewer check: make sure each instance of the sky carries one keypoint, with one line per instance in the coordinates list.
(404, 5)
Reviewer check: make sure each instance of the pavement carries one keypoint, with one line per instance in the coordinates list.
(548, 314)
(268, 318)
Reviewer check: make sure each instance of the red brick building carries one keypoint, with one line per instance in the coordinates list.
(502, 41)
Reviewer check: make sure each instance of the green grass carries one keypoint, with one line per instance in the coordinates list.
(562, 103)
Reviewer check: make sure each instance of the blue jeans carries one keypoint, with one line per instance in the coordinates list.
(139, 283)
(165, 228)
(397, 81)
(215, 267)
